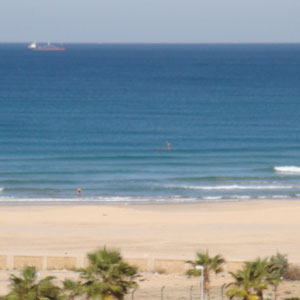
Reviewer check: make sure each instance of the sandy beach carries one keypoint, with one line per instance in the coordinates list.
(238, 230)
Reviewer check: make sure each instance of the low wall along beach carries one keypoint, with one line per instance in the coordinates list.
(48, 263)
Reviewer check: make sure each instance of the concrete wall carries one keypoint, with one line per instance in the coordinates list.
(141, 264)
(3, 262)
(19, 262)
(61, 263)
(167, 266)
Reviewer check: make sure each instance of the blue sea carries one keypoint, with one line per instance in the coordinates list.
(149, 123)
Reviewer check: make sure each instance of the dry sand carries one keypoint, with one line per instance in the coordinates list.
(238, 230)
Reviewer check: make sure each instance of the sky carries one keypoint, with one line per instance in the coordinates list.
(150, 21)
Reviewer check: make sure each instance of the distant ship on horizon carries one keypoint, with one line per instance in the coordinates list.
(48, 47)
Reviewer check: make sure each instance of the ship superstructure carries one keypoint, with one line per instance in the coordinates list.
(48, 47)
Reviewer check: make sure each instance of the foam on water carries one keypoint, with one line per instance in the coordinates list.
(137, 200)
(288, 169)
(213, 198)
(237, 187)
(279, 197)
(244, 197)
(97, 200)
(82, 200)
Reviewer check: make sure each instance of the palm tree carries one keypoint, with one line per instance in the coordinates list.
(27, 286)
(241, 285)
(260, 274)
(210, 264)
(253, 279)
(108, 276)
(275, 271)
(241, 293)
(72, 289)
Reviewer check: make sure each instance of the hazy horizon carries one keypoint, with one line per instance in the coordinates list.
(152, 43)
(150, 21)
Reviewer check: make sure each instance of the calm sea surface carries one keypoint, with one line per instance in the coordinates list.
(99, 117)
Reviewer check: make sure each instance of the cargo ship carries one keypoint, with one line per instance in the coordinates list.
(49, 47)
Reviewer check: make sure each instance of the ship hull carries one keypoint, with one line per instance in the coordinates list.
(49, 49)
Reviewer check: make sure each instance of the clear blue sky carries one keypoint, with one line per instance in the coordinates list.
(150, 20)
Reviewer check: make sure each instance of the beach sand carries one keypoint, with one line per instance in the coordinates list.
(238, 230)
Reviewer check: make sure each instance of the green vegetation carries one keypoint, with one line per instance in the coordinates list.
(107, 277)
(286, 271)
(27, 287)
(281, 262)
(72, 289)
(210, 264)
(251, 281)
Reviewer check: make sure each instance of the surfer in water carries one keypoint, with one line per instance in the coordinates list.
(162, 149)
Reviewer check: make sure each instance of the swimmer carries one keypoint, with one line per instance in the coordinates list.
(168, 146)
(78, 192)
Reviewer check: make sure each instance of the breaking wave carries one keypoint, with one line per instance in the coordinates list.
(137, 200)
(237, 187)
(287, 169)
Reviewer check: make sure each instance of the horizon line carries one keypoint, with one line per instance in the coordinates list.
(160, 43)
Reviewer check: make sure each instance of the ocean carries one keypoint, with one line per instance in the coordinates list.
(149, 123)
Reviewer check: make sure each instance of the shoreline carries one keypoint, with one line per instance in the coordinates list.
(239, 230)
(88, 202)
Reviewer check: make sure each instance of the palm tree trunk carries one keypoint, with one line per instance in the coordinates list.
(206, 283)
(260, 295)
(275, 292)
